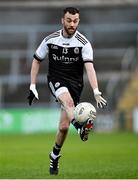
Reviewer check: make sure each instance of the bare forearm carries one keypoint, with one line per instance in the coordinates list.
(94, 84)
(91, 75)
(34, 71)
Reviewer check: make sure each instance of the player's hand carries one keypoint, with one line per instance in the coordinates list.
(101, 102)
(33, 94)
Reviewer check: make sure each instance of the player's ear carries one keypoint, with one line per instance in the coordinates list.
(62, 20)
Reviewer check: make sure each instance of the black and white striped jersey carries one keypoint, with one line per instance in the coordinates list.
(66, 55)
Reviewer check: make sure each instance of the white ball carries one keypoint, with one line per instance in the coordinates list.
(83, 111)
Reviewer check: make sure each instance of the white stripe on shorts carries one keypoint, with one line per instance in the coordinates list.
(52, 87)
(60, 91)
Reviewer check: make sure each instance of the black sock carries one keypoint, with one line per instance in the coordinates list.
(56, 149)
(75, 124)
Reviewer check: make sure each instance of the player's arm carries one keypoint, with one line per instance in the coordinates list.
(94, 84)
(91, 75)
(87, 55)
(34, 72)
(39, 56)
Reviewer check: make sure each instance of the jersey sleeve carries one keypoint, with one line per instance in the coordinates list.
(41, 51)
(87, 53)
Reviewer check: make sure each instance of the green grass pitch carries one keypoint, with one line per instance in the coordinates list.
(104, 156)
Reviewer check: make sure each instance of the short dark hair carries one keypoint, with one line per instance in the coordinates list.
(71, 10)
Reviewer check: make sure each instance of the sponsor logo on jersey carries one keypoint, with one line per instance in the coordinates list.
(65, 59)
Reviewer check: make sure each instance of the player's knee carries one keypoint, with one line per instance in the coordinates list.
(64, 128)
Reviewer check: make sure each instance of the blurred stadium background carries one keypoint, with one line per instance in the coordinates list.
(112, 28)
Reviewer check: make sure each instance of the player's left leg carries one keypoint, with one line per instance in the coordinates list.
(68, 104)
(60, 138)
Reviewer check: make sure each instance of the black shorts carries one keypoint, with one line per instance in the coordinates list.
(74, 89)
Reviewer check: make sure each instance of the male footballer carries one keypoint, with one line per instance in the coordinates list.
(69, 52)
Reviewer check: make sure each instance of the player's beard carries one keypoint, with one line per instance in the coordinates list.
(70, 31)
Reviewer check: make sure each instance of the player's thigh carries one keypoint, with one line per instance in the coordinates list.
(57, 86)
(66, 99)
(60, 90)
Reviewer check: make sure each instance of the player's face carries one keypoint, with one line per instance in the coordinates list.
(70, 23)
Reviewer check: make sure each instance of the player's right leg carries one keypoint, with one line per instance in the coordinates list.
(60, 138)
